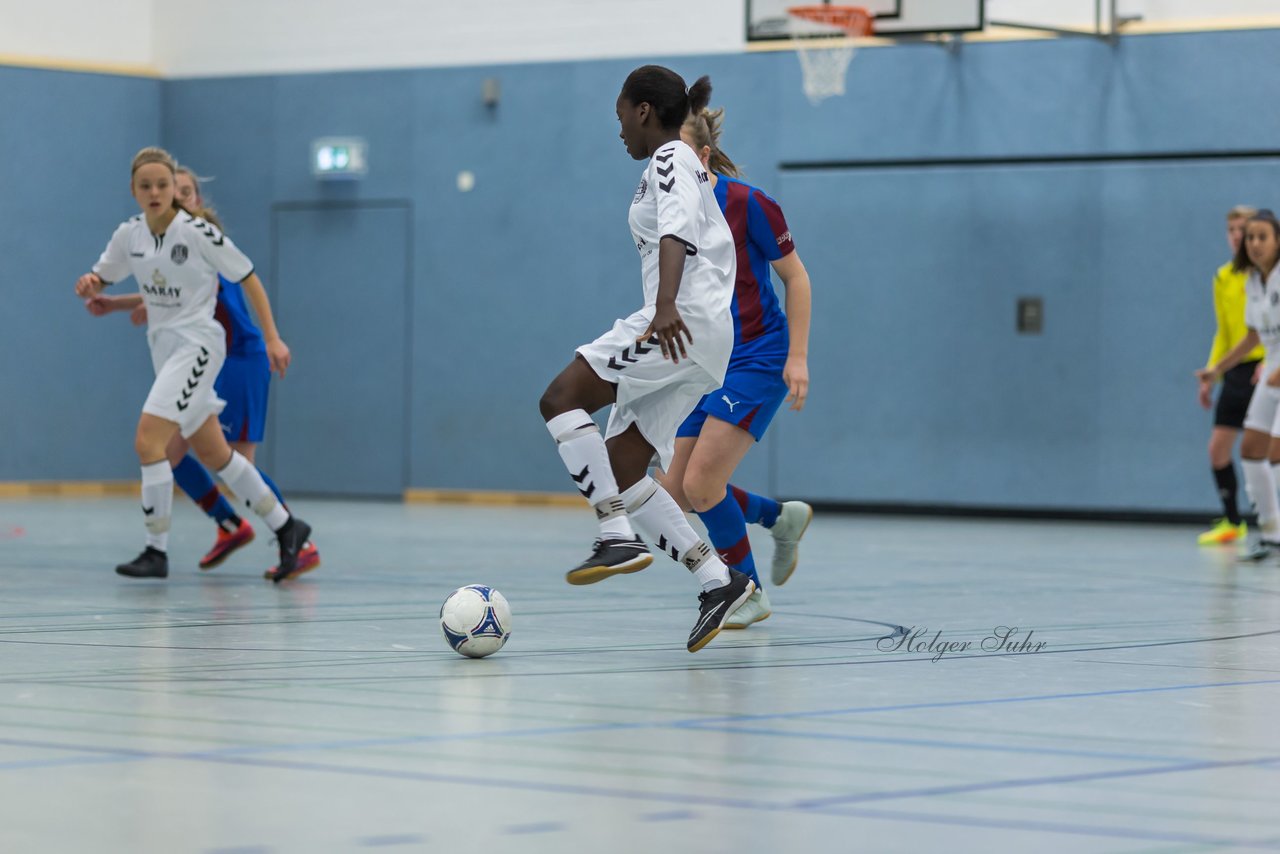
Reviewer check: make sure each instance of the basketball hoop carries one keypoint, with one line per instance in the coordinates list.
(821, 36)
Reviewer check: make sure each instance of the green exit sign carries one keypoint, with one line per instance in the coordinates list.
(339, 157)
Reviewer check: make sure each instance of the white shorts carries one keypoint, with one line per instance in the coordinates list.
(1263, 408)
(183, 390)
(654, 393)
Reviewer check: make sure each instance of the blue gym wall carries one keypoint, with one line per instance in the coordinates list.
(922, 391)
(71, 386)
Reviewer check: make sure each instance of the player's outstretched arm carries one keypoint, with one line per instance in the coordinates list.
(1214, 372)
(667, 323)
(101, 304)
(799, 308)
(277, 351)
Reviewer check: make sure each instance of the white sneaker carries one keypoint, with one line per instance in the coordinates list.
(755, 609)
(793, 519)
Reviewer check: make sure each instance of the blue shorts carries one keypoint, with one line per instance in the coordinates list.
(243, 384)
(752, 392)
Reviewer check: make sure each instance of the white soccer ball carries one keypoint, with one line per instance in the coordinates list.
(476, 620)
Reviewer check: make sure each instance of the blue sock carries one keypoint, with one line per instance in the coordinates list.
(272, 484)
(192, 479)
(757, 509)
(727, 528)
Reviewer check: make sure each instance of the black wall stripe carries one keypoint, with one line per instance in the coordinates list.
(1025, 160)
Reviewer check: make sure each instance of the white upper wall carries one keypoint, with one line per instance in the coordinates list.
(182, 38)
(1078, 13)
(261, 36)
(77, 32)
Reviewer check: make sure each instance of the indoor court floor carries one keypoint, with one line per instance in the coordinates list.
(1134, 709)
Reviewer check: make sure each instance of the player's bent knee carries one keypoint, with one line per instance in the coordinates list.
(149, 448)
(553, 402)
(212, 458)
(701, 493)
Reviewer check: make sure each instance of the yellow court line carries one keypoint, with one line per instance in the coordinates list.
(131, 489)
(70, 489)
(493, 498)
(52, 63)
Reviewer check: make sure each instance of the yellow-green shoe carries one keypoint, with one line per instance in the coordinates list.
(1223, 532)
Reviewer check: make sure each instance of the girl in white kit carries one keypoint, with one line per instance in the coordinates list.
(1258, 255)
(176, 258)
(654, 365)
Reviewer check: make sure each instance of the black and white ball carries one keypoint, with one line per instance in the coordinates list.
(476, 620)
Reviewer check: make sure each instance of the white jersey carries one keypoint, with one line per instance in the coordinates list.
(1262, 312)
(675, 199)
(177, 274)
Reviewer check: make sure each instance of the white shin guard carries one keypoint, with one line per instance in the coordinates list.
(157, 503)
(243, 480)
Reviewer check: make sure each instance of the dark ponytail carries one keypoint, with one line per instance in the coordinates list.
(700, 94)
(664, 90)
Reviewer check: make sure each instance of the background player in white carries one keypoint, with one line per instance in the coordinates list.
(176, 258)
(243, 383)
(1258, 255)
(654, 365)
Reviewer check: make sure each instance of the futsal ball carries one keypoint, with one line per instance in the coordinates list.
(476, 620)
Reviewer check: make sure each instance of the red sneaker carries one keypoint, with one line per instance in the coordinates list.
(308, 559)
(228, 541)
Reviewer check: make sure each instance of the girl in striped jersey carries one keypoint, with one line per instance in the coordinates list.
(176, 258)
(1258, 256)
(769, 363)
(243, 383)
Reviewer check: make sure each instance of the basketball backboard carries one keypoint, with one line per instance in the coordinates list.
(767, 19)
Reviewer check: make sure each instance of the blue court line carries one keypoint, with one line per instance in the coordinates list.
(108, 754)
(540, 787)
(1025, 782)
(757, 806)
(949, 745)
(690, 723)
(670, 815)
(397, 839)
(950, 704)
(829, 806)
(537, 827)
(1142, 834)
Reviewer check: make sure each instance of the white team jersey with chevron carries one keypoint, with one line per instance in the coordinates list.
(177, 273)
(1262, 312)
(675, 199)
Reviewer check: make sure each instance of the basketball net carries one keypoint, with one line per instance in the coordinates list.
(821, 34)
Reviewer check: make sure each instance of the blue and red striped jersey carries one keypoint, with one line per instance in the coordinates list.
(243, 336)
(761, 235)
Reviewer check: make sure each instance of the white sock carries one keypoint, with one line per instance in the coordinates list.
(584, 453)
(1275, 478)
(1262, 486)
(661, 520)
(157, 503)
(244, 481)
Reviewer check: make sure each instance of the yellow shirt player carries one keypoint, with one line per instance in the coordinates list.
(1237, 385)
